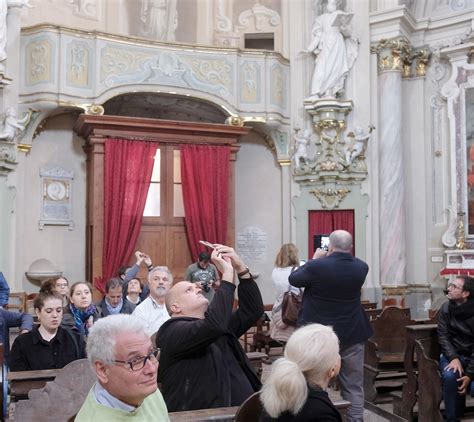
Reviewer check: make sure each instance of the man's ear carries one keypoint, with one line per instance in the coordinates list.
(175, 309)
(101, 372)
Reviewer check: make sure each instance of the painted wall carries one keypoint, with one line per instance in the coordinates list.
(56, 145)
(258, 204)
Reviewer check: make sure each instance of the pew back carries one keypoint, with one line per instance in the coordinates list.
(60, 399)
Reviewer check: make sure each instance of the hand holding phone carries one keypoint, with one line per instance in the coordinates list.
(207, 244)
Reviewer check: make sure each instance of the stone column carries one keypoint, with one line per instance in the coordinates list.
(392, 62)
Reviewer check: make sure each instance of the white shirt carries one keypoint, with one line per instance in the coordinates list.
(152, 314)
(280, 281)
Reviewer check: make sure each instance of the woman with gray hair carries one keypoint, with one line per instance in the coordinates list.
(295, 389)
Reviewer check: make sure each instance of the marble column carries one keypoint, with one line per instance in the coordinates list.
(391, 60)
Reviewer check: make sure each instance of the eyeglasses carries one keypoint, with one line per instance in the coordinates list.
(61, 285)
(137, 364)
(454, 286)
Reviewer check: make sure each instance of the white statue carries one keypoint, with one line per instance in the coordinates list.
(11, 125)
(357, 143)
(301, 147)
(335, 51)
(160, 19)
(4, 5)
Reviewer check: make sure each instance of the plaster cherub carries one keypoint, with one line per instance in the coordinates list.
(11, 125)
(301, 147)
(357, 143)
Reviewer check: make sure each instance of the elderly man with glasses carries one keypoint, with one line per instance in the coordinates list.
(126, 365)
(456, 338)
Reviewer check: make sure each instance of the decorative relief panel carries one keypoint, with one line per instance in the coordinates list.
(122, 66)
(39, 53)
(249, 86)
(78, 59)
(56, 197)
(205, 72)
(86, 9)
(278, 83)
(250, 82)
(260, 16)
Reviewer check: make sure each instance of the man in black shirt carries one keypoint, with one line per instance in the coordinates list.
(202, 363)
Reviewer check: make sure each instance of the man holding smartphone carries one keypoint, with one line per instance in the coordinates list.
(202, 363)
(333, 282)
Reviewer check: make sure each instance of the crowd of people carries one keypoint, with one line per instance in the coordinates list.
(177, 336)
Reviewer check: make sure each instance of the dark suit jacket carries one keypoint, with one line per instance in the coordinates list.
(332, 296)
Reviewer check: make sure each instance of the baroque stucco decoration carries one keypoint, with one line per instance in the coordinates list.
(11, 131)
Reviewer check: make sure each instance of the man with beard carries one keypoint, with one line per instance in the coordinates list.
(202, 364)
(456, 338)
(152, 311)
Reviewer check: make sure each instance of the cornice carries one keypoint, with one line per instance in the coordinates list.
(127, 39)
(399, 22)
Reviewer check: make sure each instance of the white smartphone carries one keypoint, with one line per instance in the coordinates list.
(208, 244)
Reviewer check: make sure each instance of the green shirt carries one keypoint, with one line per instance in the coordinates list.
(153, 408)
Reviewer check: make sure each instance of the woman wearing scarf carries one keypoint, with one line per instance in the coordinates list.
(80, 314)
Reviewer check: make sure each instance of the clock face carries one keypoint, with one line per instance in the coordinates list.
(56, 190)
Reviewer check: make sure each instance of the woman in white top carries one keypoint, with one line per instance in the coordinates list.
(286, 260)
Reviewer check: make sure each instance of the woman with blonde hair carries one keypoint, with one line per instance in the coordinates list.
(286, 260)
(295, 389)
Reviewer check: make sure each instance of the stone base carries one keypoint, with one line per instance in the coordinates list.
(328, 112)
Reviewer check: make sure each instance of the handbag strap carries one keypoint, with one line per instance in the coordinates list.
(290, 286)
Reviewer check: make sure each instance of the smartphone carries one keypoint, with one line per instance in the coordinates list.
(321, 241)
(325, 243)
(208, 244)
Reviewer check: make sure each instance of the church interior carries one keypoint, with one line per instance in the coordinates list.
(259, 135)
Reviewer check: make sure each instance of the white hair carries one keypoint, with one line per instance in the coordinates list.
(163, 270)
(310, 353)
(103, 334)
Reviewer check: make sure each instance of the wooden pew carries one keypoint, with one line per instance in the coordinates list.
(429, 379)
(385, 350)
(21, 382)
(228, 414)
(58, 400)
(403, 405)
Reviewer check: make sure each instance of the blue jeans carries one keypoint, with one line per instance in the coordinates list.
(454, 402)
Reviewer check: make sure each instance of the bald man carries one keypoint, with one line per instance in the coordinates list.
(202, 363)
(333, 282)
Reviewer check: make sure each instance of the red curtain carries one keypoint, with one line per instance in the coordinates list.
(324, 222)
(205, 184)
(128, 166)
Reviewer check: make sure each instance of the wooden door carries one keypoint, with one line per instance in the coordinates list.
(162, 236)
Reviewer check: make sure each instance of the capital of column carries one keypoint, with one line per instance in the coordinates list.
(393, 55)
(399, 55)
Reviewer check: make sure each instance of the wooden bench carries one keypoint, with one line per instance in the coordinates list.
(21, 382)
(403, 405)
(17, 302)
(229, 414)
(385, 350)
(429, 379)
(58, 400)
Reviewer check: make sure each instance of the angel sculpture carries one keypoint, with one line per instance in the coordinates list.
(357, 143)
(12, 125)
(301, 147)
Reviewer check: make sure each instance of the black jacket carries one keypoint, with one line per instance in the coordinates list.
(30, 352)
(318, 408)
(456, 336)
(127, 308)
(202, 364)
(332, 296)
